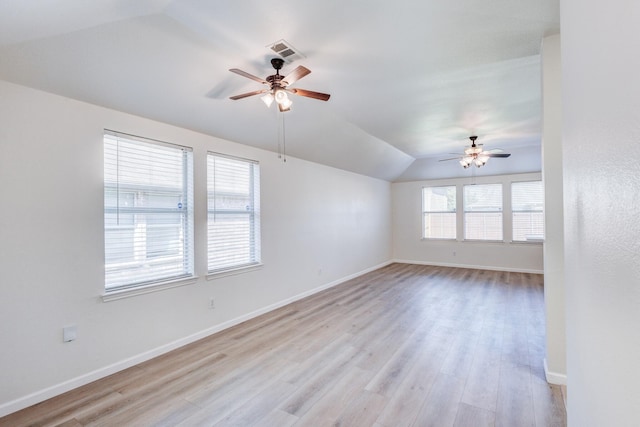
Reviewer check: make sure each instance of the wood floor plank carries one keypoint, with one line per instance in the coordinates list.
(404, 404)
(548, 403)
(239, 386)
(515, 397)
(70, 423)
(393, 372)
(311, 390)
(440, 407)
(168, 412)
(65, 406)
(481, 387)
(361, 411)
(255, 410)
(99, 409)
(331, 405)
(403, 345)
(160, 394)
(472, 416)
(278, 418)
(460, 356)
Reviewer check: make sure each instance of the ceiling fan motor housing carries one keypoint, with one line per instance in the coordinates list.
(274, 81)
(277, 63)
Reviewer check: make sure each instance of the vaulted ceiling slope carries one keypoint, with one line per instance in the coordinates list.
(409, 80)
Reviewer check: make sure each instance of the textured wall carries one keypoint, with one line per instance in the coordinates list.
(601, 146)
(554, 217)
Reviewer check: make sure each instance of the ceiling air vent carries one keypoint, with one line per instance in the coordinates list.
(287, 52)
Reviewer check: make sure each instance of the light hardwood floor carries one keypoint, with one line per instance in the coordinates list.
(405, 345)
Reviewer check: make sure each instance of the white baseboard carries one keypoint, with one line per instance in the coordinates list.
(475, 267)
(47, 393)
(554, 377)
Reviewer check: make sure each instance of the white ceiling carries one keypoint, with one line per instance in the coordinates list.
(408, 79)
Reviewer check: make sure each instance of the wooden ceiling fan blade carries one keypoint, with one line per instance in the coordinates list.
(245, 95)
(311, 94)
(298, 73)
(247, 75)
(452, 158)
(502, 155)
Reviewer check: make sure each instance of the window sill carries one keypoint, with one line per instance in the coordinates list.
(141, 290)
(233, 271)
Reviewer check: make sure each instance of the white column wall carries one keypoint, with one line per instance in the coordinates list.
(601, 145)
(555, 360)
(320, 225)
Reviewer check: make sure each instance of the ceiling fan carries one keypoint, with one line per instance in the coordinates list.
(278, 86)
(475, 155)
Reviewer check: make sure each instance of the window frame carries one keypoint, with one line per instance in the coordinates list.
(426, 213)
(466, 212)
(130, 283)
(254, 258)
(515, 211)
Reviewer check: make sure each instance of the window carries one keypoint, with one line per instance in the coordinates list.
(483, 212)
(527, 205)
(233, 230)
(439, 212)
(148, 212)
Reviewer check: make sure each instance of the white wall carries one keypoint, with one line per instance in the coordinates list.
(601, 145)
(408, 245)
(319, 225)
(555, 366)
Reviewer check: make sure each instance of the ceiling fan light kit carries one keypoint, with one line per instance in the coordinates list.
(282, 99)
(267, 99)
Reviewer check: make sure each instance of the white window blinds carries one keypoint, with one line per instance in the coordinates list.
(483, 212)
(439, 212)
(233, 188)
(527, 205)
(148, 212)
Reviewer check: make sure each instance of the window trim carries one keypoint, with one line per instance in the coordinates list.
(144, 139)
(505, 180)
(256, 228)
(425, 212)
(528, 241)
(147, 289)
(189, 277)
(501, 212)
(233, 271)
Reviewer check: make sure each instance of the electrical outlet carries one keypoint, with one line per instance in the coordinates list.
(212, 303)
(69, 333)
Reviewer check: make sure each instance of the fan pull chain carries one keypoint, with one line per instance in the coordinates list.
(279, 133)
(282, 146)
(284, 140)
